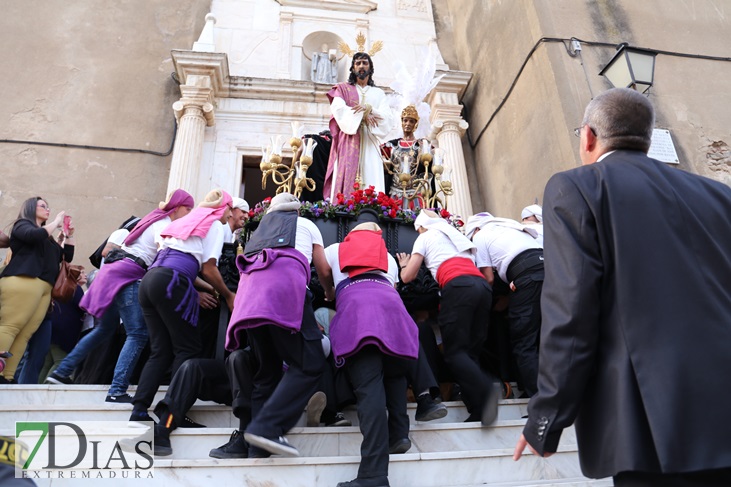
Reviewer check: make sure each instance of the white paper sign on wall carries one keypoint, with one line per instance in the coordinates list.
(662, 147)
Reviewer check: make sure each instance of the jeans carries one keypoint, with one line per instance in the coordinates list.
(127, 306)
(35, 355)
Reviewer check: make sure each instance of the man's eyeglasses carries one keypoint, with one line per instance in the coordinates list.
(577, 131)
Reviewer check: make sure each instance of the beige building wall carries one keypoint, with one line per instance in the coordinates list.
(90, 72)
(531, 137)
(96, 73)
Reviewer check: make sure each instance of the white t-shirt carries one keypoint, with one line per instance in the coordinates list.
(538, 227)
(307, 235)
(333, 258)
(145, 247)
(436, 248)
(203, 249)
(117, 237)
(228, 234)
(497, 247)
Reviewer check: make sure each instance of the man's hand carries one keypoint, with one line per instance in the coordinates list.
(520, 446)
(359, 108)
(373, 120)
(207, 300)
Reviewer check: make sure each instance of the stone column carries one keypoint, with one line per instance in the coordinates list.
(194, 113)
(449, 134)
(203, 76)
(448, 127)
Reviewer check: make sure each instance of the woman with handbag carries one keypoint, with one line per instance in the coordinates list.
(27, 281)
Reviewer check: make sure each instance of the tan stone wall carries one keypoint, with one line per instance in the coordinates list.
(90, 72)
(531, 138)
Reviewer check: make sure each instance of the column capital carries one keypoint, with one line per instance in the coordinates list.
(191, 66)
(203, 110)
(459, 126)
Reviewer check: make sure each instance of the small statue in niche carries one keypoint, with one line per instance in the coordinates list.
(325, 66)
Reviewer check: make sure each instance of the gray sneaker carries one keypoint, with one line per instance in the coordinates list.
(276, 446)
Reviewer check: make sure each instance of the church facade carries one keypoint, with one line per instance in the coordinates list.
(104, 110)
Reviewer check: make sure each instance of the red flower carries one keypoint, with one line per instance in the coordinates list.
(268, 199)
(370, 190)
(445, 213)
(392, 213)
(356, 185)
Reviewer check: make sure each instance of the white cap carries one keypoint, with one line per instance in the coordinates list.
(239, 203)
(532, 210)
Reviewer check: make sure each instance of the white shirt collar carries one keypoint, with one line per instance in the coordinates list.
(603, 156)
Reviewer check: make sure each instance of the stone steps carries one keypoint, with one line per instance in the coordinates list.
(445, 469)
(444, 453)
(82, 402)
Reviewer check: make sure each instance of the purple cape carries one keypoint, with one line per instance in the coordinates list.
(345, 148)
(271, 292)
(370, 312)
(108, 282)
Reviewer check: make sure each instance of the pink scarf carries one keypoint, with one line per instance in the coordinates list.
(197, 222)
(179, 198)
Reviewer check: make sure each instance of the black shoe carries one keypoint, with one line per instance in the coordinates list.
(142, 443)
(138, 419)
(255, 452)
(235, 448)
(315, 407)
(489, 410)
(54, 378)
(277, 445)
(428, 410)
(119, 399)
(189, 423)
(375, 482)
(400, 446)
(335, 419)
(162, 442)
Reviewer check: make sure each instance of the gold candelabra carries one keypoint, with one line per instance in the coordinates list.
(422, 186)
(443, 182)
(286, 176)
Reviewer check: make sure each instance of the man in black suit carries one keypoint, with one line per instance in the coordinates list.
(636, 310)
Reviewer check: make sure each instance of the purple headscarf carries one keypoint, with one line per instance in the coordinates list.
(178, 198)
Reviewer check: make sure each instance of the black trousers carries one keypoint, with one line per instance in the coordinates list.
(463, 320)
(172, 339)
(277, 404)
(228, 382)
(420, 375)
(702, 478)
(379, 382)
(524, 318)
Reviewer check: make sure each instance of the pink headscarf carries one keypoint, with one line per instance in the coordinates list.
(199, 221)
(177, 199)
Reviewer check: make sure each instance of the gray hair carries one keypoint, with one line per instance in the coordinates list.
(621, 118)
